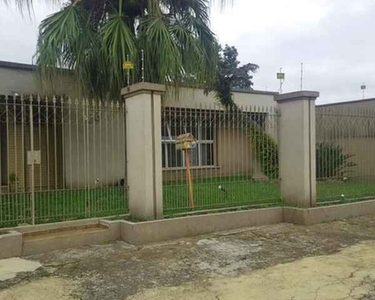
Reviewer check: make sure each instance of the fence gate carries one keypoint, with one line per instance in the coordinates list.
(61, 159)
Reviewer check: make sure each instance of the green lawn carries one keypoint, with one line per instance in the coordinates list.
(332, 191)
(242, 191)
(213, 193)
(54, 206)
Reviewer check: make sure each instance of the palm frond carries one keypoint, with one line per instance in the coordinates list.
(117, 46)
(163, 59)
(66, 42)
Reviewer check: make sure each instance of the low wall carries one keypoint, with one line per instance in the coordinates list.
(168, 229)
(26, 240)
(317, 215)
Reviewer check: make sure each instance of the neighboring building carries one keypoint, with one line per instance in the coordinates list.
(82, 146)
(350, 125)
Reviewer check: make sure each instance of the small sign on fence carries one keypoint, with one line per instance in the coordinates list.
(33, 157)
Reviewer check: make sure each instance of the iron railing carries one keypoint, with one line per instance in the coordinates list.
(234, 163)
(61, 159)
(345, 160)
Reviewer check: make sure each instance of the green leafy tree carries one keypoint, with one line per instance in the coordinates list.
(230, 75)
(94, 38)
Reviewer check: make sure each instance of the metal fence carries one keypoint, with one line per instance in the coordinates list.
(61, 159)
(345, 160)
(234, 162)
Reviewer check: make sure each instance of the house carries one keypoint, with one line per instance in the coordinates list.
(82, 142)
(351, 126)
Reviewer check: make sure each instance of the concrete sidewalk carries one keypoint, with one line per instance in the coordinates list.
(326, 261)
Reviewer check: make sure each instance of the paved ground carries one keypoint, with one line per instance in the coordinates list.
(327, 261)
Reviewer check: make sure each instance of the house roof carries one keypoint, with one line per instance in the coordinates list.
(29, 67)
(347, 102)
(18, 66)
(258, 92)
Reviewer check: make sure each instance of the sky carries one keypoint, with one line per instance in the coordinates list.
(333, 39)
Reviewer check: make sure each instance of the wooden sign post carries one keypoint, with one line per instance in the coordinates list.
(186, 142)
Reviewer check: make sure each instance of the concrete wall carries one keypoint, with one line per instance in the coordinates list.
(193, 98)
(350, 125)
(27, 240)
(16, 143)
(22, 79)
(363, 150)
(94, 152)
(327, 213)
(162, 230)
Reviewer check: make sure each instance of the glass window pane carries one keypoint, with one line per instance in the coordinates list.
(207, 151)
(207, 133)
(174, 156)
(194, 161)
(163, 157)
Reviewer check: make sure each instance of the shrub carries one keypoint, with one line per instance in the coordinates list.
(331, 162)
(267, 151)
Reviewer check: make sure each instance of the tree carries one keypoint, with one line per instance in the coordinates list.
(94, 38)
(230, 75)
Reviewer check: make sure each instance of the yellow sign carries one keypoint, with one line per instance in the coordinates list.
(128, 65)
(186, 145)
(186, 142)
(281, 76)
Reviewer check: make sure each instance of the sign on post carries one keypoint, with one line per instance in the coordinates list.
(186, 142)
(280, 76)
(33, 157)
(128, 65)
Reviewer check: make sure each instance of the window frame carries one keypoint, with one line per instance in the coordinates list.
(200, 142)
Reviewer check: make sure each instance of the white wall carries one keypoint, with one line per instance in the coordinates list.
(194, 98)
(96, 150)
(24, 80)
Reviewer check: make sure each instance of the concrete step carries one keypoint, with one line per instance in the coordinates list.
(57, 239)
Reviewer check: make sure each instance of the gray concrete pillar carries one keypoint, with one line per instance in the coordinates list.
(297, 147)
(143, 146)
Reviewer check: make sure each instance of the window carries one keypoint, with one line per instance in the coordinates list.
(203, 155)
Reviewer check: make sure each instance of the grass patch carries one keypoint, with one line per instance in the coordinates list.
(55, 206)
(330, 191)
(209, 193)
(222, 192)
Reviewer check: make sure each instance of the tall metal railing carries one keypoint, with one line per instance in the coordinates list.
(61, 159)
(234, 162)
(345, 150)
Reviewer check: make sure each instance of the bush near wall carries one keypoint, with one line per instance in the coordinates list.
(267, 151)
(331, 161)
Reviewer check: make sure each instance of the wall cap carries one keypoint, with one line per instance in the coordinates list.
(294, 96)
(130, 91)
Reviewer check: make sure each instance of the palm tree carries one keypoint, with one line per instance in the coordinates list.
(95, 37)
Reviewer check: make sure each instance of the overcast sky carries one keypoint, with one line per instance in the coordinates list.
(334, 39)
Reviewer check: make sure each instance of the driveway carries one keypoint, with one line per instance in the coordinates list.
(326, 261)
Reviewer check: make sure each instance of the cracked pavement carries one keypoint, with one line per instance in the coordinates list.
(325, 261)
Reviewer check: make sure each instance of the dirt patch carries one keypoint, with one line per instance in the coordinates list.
(42, 289)
(119, 270)
(349, 274)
